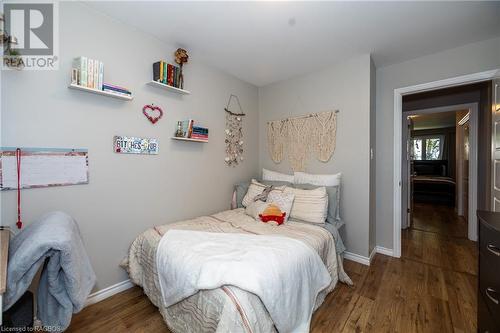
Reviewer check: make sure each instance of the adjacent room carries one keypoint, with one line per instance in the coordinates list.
(253, 166)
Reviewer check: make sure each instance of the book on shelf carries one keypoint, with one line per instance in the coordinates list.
(156, 71)
(116, 89)
(166, 73)
(87, 73)
(90, 73)
(80, 65)
(199, 137)
(101, 75)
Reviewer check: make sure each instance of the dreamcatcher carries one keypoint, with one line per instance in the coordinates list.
(234, 134)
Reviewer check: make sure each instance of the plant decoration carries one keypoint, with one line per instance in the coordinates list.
(152, 112)
(181, 58)
(7, 40)
(234, 134)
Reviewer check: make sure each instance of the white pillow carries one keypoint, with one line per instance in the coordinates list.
(276, 176)
(283, 200)
(309, 205)
(319, 180)
(255, 208)
(254, 190)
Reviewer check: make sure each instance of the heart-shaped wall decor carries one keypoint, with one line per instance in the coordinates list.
(152, 112)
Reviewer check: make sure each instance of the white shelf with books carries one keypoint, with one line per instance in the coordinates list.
(168, 87)
(189, 139)
(186, 130)
(88, 75)
(101, 92)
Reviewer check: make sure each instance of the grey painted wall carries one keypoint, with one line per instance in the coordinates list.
(345, 87)
(467, 59)
(373, 158)
(127, 194)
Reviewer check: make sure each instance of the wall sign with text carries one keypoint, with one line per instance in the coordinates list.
(133, 145)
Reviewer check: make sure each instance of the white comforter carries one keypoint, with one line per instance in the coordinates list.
(285, 273)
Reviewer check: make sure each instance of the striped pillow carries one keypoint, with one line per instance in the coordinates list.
(309, 205)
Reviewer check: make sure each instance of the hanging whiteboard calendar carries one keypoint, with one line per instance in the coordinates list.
(43, 167)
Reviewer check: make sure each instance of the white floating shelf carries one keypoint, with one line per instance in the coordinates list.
(100, 92)
(189, 139)
(169, 88)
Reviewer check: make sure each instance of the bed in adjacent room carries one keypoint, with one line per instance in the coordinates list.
(229, 308)
(431, 183)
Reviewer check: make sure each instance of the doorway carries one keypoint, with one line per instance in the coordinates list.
(485, 171)
(440, 170)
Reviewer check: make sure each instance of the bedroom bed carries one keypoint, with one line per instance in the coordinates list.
(431, 183)
(228, 308)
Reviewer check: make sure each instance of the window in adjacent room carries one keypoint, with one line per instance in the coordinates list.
(427, 147)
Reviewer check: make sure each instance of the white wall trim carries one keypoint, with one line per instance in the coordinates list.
(385, 251)
(108, 292)
(373, 253)
(398, 114)
(357, 258)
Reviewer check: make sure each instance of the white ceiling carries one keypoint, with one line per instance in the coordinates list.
(263, 42)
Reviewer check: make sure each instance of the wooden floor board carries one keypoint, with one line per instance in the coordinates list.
(431, 288)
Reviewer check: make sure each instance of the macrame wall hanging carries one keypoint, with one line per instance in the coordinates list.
(234, 133)
(299, 137)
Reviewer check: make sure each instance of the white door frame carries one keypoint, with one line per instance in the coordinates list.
(473, 109)
(398, 115)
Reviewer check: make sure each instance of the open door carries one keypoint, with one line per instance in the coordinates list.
(495, 204)
(407, 218)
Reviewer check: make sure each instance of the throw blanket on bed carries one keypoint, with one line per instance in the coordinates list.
(227, 309)
(66, 280)
(285, 273)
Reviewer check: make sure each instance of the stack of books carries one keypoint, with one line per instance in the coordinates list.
(167, 74)
(87, 73)
(90, 73)
(116, 89)
(186, 129)
(200, 133)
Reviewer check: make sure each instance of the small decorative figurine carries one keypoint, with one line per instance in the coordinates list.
(181, 58)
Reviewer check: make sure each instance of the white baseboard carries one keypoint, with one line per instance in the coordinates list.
(357, 258)
(367, 260)
(108, 292)
(384, 250)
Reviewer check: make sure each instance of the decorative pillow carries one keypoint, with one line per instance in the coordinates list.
(309, 205)
(277, 176)
(333, 192)
(255, 208)
(283, 200)
(255, 189)
(277, 208)
(320, 180)
(240, 190)
(275, 183)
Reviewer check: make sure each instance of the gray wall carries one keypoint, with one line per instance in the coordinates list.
(373, 158)
(127, 194)
(467, 59)
(345, 87)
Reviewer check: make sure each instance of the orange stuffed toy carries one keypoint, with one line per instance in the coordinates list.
(273, 213)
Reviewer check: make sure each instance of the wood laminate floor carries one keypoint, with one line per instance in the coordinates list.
(431, 288)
